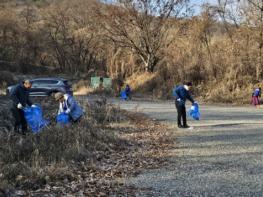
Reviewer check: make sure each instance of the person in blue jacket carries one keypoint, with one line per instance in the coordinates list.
(181, 94)
(68, 105)
(128, 91)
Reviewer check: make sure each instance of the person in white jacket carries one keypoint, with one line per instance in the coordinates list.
(68, 105)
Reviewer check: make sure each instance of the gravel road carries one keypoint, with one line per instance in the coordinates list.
(221, 156)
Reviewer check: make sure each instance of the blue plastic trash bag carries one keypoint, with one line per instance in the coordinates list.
(34, 119)
(63, 119)
(194, 111)
(123, 95)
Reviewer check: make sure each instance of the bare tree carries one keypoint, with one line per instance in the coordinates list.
(72, 35)
(141, 26)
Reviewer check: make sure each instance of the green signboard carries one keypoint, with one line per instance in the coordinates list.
(107, 82)
(96, 81)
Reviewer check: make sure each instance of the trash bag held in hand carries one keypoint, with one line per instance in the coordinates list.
(34, 119)
(63, 119)
(123, 95)
(194, 111)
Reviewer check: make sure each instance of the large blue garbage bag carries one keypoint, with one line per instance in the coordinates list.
(123, 95)
(63, 119)
(34, 119)
(194, 111)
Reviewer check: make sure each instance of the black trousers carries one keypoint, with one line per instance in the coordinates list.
(181, 113)
(20, 121)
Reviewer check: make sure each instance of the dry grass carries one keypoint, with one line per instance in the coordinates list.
(230, 90)
(84, 90)
(82, 87)
(56, 144)
(137, 80)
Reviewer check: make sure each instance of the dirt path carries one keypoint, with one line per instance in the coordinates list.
(221, 156)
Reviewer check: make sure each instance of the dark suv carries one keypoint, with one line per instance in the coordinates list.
(46, 86)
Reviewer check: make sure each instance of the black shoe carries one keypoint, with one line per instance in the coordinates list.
(186, 127)
(24, 132)
(180, 126)
(16, 131)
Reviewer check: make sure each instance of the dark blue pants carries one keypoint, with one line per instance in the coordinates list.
(181, 113)
(20, 121)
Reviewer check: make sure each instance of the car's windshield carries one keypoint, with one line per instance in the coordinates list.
(44, 82)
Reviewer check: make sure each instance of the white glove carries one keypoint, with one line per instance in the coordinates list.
(178, 99)
(19, 106)
(67, 111)
(33, 106)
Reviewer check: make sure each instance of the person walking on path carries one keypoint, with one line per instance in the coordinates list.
(68, 105)
(181, 94)
(256, 97)
(20, 99)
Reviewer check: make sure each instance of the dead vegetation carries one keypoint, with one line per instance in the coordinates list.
(219, 50)
(91, 158)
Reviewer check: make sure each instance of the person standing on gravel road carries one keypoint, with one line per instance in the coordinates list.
(255, 100)
(181, 94)
(68, 105)
(20, 99)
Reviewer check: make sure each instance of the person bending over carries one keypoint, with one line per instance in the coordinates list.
(68, 105)
(181, 94)
(20, 99)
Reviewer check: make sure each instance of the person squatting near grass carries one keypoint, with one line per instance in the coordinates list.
(255, 97)
(68, 105)
(20, 99)
(182, 93)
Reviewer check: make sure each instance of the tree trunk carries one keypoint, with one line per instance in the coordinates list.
(150, 63)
